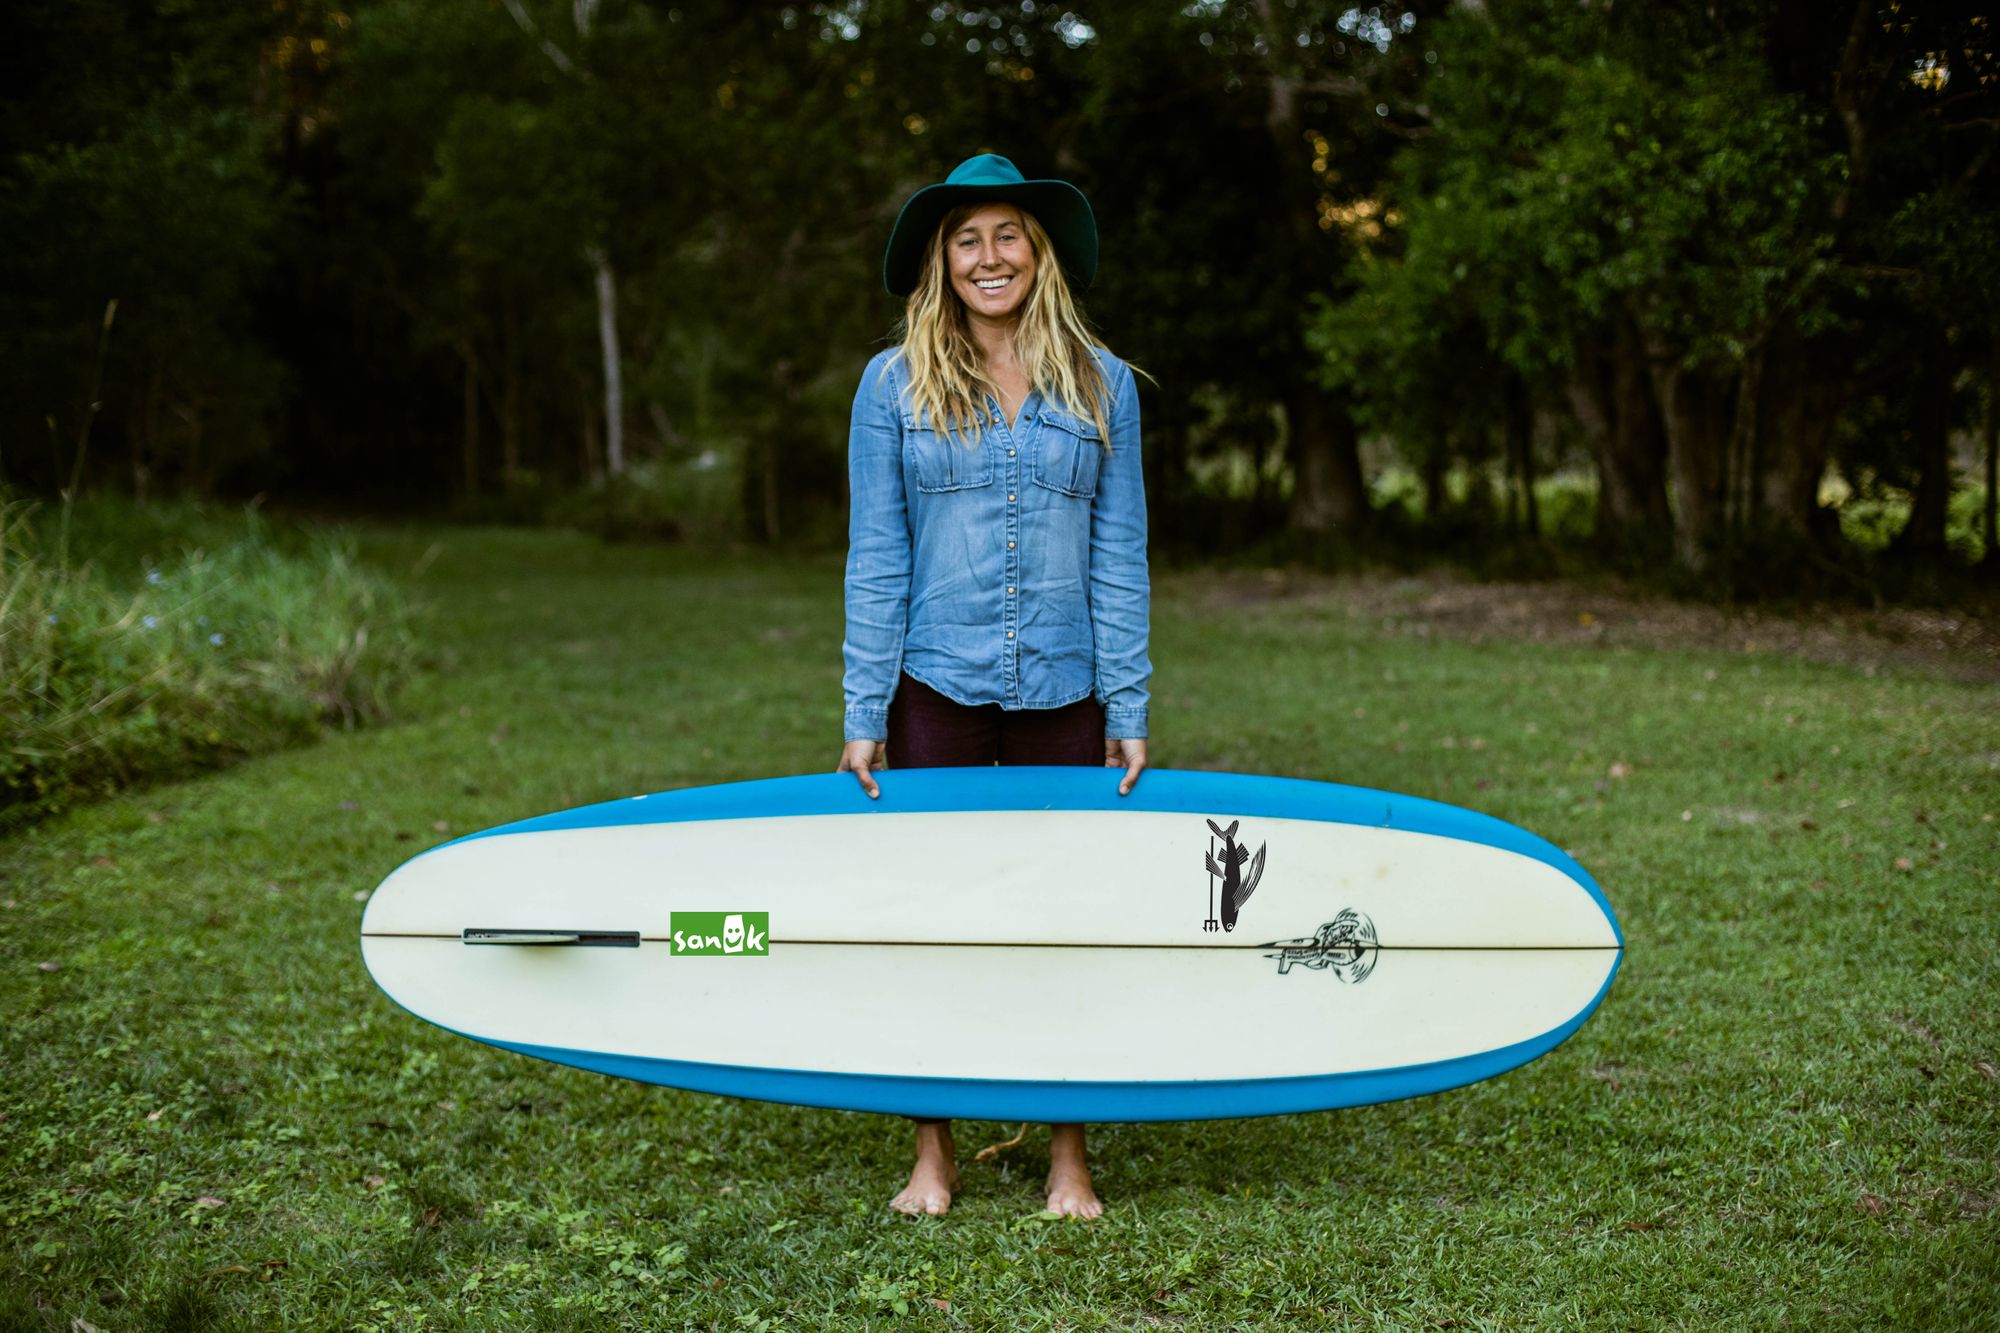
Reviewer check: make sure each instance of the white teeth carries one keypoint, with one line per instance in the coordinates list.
(991, 284)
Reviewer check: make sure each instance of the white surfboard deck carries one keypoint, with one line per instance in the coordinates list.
(1005, 943)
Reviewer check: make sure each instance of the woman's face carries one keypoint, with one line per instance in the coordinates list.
(992, 265)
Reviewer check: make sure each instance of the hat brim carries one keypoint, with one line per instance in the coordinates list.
(1059, 206)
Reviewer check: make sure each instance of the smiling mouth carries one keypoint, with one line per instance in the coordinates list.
(991, 284)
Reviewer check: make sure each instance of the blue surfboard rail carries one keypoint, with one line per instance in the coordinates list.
(1071, 1100)
(914, 791)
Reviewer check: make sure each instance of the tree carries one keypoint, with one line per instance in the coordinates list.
(1682, 203)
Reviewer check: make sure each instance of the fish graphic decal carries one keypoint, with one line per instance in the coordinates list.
(1346, 946)
(1235, 887)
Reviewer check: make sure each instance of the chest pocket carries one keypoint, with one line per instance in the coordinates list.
(1068, 454)
(943, 462)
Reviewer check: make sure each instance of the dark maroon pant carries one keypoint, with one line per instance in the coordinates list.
(928, 730)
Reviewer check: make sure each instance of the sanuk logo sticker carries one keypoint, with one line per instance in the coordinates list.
(721, 934)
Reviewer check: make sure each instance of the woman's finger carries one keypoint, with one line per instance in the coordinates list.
(860, 769)
(1132, 771)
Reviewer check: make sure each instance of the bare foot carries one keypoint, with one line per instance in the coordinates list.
(935, 1175)
(1069, 1187)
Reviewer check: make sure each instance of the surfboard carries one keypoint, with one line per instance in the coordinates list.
(1008, 943)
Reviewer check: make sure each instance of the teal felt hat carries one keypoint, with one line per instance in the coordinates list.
(1059, 206)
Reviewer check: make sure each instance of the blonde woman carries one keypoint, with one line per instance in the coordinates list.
(997, 596)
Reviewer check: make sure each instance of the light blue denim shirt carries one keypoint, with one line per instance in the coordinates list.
(1009, 571)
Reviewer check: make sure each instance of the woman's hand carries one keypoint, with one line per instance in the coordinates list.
(1128, 755)
(861, 758)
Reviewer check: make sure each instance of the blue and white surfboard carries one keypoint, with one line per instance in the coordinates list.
(1017, 943)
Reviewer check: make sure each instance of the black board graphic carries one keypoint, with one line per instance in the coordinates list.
(1226, 877)
(1345, 946)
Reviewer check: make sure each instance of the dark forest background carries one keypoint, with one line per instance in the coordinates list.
(1700, 287)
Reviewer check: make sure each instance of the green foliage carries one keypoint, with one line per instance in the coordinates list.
(1567, 186)
(169, 206)
(698, 499)
(183, 642)
(1692, 181)
(359, 250)
(1782, 1116)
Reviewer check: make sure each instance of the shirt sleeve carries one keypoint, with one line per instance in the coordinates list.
(878, 557)
(1120, 593)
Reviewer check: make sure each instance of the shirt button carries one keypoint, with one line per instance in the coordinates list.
(1010, 499)
(1010, 590)
(1010, 546)
(1010, 453)
(1010, 634)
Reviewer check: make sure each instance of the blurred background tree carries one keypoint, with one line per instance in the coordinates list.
(1703, 287)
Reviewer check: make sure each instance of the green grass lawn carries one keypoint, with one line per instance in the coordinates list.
(1786, 1113)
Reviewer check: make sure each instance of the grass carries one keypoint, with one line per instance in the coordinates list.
(140, 643)
(1784, 1114)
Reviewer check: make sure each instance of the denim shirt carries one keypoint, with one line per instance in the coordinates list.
(1010, 571)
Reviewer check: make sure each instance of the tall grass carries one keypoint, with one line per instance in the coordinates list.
(141, 644)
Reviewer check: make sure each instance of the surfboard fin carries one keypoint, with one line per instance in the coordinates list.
(589, 939)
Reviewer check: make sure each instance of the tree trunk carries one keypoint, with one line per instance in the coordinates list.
(198, 480)
(145, 431)
(1696, 409)
(1740, 465)
(1611, 394)
(469, 440)
(593, 452)
(1327, 491)
(1930, 428)
(614, 379)
(510, 392)
(1800, 403)
(1592, 407)
(1521, 452)
(1992, 556)
(1435, 468)
(1327, 488)
(583, 13)
(1476, 449)
(664, 429)
(790, 384)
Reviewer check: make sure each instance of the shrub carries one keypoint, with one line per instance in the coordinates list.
(139, 645)
(660, 499)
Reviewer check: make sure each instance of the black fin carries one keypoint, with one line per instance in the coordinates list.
(1249, 885)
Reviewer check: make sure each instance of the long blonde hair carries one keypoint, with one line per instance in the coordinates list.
(946, 370)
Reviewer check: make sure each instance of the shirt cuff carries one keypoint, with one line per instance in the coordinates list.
(866, 724)
(1125, 724)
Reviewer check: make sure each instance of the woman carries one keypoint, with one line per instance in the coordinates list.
(996, 573)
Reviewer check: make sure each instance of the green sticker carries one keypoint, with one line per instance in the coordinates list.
(721, 934)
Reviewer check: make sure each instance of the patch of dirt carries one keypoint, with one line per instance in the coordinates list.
(1957, 645)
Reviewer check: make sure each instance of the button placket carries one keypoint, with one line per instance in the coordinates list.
(1010, 603)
